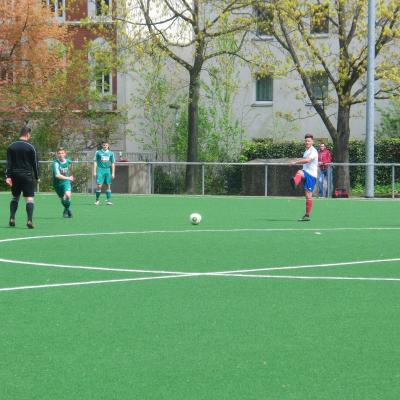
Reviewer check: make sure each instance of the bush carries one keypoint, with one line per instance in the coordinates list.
(386, 151)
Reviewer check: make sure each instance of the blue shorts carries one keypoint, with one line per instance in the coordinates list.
(309, 182)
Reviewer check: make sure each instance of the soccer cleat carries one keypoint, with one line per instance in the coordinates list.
(305, 218)
(109, 202)
(11, 222)
(65, 214)
(292, 183)
(69, 213)
(29, 225)
(97, 202)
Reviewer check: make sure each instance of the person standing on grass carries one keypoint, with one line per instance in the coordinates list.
(308, 174)
(324, 159)
(22, 166)
(104, 171)
(62, 179)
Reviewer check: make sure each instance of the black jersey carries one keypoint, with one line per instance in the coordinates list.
(22, 159)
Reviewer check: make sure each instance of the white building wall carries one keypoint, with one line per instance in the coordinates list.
(262, 120)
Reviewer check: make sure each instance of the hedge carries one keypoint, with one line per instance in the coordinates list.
(386, 151)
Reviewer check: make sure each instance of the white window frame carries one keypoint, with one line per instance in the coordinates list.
(103, 92)
(103, 43)
(57, 9)
(92, 9)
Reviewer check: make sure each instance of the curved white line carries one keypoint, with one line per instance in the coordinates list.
(41, 264)
(337, 278)
(55, 285)
(171, 274)
(235, 230)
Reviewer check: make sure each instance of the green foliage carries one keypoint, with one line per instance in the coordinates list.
(156, 108)
(386, 151)
(267, 149)
(223, 180)
(218, 179)
(390, 123)
(162, 109)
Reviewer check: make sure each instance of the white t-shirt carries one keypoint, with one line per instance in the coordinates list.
(311, 167)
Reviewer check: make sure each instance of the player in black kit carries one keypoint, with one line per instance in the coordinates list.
(22, 166)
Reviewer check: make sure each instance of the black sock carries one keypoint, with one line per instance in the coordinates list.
(13, 208)
(29, 211)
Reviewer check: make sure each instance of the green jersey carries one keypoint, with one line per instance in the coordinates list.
(61, 168)
(104, 159)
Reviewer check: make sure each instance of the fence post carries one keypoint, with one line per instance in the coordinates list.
(330, 182)
(266, 180)
(202, 179)
(92, 178)
(149, 178)
(393, 181)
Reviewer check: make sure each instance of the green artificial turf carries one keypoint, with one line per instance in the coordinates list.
(181, 327)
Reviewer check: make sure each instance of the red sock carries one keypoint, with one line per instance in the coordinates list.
(297, 179)
(308, 206)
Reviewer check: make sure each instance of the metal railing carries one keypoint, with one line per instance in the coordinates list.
(252, 178)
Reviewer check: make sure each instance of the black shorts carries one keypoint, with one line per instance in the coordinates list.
(22, 183)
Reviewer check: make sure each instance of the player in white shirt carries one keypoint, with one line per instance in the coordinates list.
(308, 174)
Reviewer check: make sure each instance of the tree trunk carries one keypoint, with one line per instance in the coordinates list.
(341, 176)
(192, 145)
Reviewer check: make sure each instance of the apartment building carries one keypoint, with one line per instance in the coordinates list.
(277, 105)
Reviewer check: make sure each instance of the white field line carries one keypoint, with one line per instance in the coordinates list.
(216, 273)
(184, 231)
(56, 285)
(50, 265)
(339, 264)
(173, 274)
(238, 273)
(336, 278)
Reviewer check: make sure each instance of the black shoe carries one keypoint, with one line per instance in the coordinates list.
(69, 213)
(305, 218)
(29, 225)
(65, 214)
(11, 222)
(292, 183)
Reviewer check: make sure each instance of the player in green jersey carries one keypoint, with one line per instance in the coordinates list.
(104, 171)
(62, 178)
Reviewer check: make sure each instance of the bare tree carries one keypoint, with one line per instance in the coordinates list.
(187, 32)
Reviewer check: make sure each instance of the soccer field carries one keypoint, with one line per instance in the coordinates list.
(131, 301)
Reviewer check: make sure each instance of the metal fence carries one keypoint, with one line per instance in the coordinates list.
(252, 178)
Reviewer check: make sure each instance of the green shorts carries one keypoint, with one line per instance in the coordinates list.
(103, 175)
(62, 187)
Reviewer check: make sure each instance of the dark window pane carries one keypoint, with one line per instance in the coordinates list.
(264, 90)
(319, 86)
(106, 88)
(102, 7)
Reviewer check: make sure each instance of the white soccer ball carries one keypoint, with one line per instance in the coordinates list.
(195, 218)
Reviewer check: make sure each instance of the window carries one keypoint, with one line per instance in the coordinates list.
(264, 89)
(103, 7)
(319, 86)
(103, 83)
(5, 74)
(264, 21)
(319, 23)
(57, 7)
